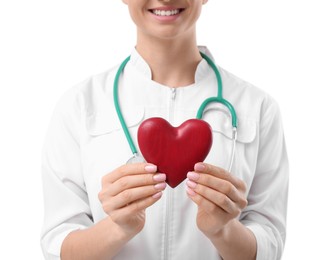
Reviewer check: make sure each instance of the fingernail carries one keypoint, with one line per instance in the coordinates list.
(193, 176)
(191, 184)
(150, 168)
(199, 167)
(157, 195)
(160, 186)
(190, 192)
(159, 177)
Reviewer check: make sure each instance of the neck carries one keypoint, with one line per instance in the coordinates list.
(173, 62)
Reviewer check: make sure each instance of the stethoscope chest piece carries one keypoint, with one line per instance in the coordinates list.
(136, 158)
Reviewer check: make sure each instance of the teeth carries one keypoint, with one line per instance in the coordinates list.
(165, 13)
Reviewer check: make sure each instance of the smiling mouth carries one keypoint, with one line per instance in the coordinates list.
(172, 12)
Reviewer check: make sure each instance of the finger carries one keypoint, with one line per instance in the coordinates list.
(220, 185)
(133, 181)
(137, 206)
(129, 169)
(204, 204)
(220, 173)
(133, 195)
(217, 198)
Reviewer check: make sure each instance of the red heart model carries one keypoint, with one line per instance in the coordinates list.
(175, 150)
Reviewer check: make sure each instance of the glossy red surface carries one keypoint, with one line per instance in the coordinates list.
(175, 150)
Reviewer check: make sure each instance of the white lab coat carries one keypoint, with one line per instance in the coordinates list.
(85, 141)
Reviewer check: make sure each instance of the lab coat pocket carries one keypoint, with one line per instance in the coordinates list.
(220, 121)
(106, 122)
(106, 147)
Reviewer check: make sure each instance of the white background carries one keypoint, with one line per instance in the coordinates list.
(48, 46)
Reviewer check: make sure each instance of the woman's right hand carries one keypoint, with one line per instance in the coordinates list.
(128, 191)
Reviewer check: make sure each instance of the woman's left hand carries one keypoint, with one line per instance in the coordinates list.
(220, 197)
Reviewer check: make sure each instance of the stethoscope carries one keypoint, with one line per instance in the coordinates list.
(218, 99)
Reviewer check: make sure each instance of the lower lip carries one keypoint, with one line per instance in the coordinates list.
(169, 18)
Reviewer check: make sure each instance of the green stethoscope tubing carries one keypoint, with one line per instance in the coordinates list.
(117, 106)
(218, 99)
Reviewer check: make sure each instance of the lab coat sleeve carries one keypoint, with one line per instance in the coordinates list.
(66, 206)
(265, 214)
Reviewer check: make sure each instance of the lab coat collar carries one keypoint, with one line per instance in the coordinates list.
(141, 65)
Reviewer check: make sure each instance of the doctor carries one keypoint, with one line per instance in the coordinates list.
(99, 207)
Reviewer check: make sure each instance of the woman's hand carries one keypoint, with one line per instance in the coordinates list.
(219, 195)
(128, 191)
